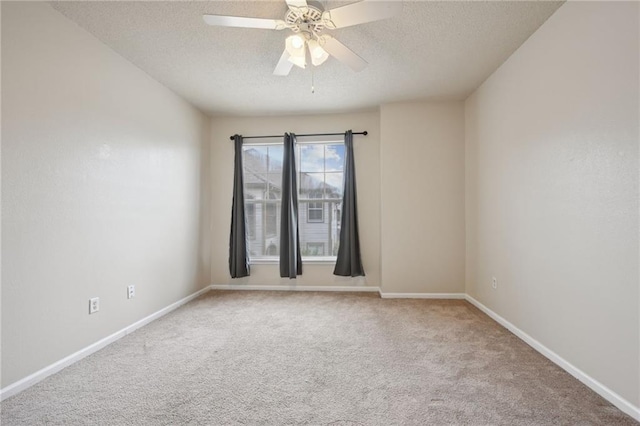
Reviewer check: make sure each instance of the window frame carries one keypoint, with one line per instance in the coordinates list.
(257, 260)
(314, 203)
(312, 207)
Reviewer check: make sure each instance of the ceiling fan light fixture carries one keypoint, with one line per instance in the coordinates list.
(299, 61)
(317, 53)
(297, 41)
(295, 45)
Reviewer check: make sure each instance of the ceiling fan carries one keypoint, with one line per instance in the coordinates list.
(307, 20)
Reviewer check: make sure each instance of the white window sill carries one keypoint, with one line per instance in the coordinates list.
(305, 260)
(319, 260)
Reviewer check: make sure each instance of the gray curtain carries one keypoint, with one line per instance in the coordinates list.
(349, 262)
(290, 257)
(238, 257)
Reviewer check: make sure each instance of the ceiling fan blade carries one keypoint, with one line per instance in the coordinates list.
(296, 3)
(342, 53)
(242, 22)
(284, 65)
(361, 12)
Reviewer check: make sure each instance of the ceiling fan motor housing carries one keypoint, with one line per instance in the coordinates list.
(305, 19)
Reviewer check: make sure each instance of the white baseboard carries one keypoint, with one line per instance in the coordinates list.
(624, 405)
(352, 288)
(340, 288)
(422, 295)
(39, 375)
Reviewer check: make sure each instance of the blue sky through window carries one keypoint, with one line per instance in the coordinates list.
(324, 162)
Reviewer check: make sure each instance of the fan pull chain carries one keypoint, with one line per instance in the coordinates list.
(313, 89)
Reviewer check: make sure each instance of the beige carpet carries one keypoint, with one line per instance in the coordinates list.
(278, 358)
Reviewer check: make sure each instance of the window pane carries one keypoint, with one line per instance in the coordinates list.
(334, 185)
(334, 158)
(275, 193)
(255, 166)
(319, 225)
(312, 158)
(250, 213)
(255, 158)
(270, 222)
(335, 209)
(263, 217)
(275, 159)
(315, 249)
(311, 185)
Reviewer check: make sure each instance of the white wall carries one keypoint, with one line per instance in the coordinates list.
(102, 169)
(367, 158)
(422, 187)
(552, 190)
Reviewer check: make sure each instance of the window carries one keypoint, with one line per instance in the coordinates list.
(315, 210)
(262, 181)
(320, 167)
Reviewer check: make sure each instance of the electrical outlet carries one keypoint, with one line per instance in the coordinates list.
(94, 305)
(131, 291)
(494, 283)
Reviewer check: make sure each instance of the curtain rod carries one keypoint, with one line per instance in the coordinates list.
(365, 133)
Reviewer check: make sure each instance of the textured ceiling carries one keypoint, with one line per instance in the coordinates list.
(432, 50)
